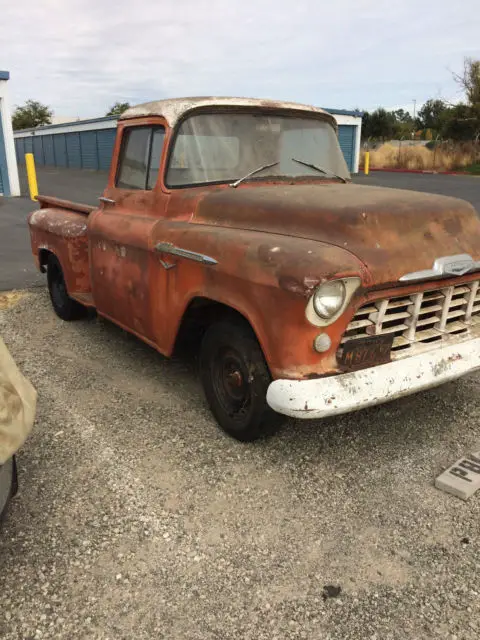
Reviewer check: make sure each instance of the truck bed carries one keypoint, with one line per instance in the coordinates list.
(57, 203)
(60, 227)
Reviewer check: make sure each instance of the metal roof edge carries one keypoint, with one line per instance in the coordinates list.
(66, 124)
(344, 112)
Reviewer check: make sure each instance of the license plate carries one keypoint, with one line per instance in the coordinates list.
(367, 352)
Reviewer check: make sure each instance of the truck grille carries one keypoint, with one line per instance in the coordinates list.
(419, 319)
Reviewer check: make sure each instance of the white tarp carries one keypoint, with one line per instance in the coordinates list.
(18, 400)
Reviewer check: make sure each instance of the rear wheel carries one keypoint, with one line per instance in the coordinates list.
(65, 307)
(235, 378)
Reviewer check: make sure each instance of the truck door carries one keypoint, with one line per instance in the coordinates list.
(120, 233)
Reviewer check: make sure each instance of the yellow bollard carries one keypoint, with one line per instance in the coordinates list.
(31, 176)
(366, 167)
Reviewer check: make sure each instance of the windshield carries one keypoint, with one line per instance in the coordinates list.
(224, 147)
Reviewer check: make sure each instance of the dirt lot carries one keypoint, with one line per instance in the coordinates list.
(138, 518)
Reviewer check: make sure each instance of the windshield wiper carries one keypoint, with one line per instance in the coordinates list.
(252, 173)
(321, 169)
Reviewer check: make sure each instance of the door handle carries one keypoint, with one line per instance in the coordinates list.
(106, 200)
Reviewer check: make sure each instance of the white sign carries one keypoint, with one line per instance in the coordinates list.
(463, 478)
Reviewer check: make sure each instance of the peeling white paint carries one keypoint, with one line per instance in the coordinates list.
(37, 216)
(174, 109)
(355, 390)
(58, 223)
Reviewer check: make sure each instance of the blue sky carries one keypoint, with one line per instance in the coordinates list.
(80, 56)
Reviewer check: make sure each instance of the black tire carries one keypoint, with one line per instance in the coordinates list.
(65, 307)
(235, 379)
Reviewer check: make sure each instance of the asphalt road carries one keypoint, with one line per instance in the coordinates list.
(78, 185)
(17, 269)
(18, 272)
(137, 518)
(465, 187)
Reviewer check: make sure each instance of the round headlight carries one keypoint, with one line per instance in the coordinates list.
(329, 298)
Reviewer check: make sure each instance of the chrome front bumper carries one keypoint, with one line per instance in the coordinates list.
(347, 392)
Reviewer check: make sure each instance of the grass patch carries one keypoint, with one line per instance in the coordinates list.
(443, 157)
(474, 169)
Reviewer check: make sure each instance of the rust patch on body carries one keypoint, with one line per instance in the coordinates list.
(274, 242)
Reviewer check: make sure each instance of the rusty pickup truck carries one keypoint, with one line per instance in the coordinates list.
(235, 222)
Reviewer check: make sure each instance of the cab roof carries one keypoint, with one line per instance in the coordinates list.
(174, 109)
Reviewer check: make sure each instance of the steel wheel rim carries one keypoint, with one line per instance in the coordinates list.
(230, 384)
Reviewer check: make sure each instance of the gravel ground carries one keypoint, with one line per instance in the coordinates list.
(138, 518)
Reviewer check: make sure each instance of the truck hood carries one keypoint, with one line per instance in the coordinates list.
(392, 231)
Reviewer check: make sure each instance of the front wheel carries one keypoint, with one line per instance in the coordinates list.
(65, 307)
(235, 379)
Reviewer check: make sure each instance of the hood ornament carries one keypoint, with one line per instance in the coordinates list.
(445, 267)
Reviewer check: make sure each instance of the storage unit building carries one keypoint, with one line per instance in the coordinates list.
(9, 185)
(349, 134)
(88, 144)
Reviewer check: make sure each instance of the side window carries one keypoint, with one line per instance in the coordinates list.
(140, 155)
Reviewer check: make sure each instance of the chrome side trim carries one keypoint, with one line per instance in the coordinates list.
(445, 267)
(169, 248)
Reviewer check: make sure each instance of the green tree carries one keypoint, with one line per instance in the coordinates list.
(380, 124)
(403, 116)
(31, 114)
(469, 115)
(405, 125)
(118, 108)
(462, 123)
(469, 80)
(433, 115)
(436, 117)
